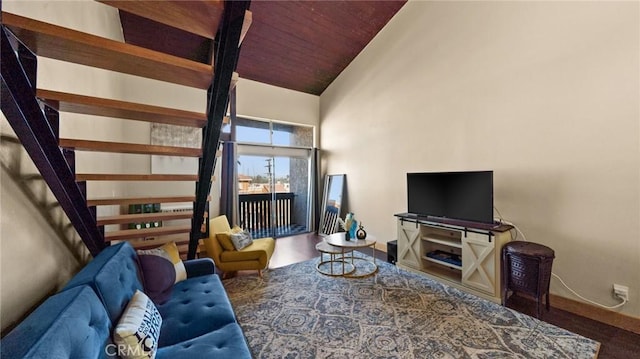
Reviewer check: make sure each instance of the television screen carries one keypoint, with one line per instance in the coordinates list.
(464, 196)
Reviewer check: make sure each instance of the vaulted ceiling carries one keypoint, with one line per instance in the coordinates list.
(298, 45)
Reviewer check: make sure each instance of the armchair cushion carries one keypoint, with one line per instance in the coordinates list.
(225, 238)
(260, 250)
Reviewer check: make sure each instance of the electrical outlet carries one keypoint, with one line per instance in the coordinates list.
(621, 291)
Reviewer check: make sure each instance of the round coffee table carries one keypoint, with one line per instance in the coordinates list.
(338, 240)
(325, 248)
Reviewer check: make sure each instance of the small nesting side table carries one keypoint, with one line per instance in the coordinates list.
(526, 267)
(333, 252)
(339, 240)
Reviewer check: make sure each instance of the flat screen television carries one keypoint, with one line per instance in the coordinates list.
(466, 196)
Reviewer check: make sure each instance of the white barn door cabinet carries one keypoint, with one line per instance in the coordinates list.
(463, 255)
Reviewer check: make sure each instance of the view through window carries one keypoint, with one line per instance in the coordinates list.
(273, 167)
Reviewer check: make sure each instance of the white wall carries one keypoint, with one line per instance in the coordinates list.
(546, 94)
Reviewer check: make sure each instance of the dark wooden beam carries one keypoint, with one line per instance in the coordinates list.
(22, 110)
(226, 59)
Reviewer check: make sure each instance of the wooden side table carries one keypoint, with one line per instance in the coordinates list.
(526, 267)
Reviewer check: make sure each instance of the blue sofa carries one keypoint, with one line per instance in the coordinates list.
(77, 322)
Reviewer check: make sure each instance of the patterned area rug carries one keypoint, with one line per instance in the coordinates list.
(296, 312)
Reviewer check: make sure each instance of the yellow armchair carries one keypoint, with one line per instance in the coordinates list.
(253, 257)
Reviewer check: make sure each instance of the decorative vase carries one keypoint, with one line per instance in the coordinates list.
(361, 233)
(347, 237)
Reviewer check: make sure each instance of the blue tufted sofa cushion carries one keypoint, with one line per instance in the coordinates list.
(114, 276)
(226, 342)
(71, 324)
(198, 320)
(197, 306)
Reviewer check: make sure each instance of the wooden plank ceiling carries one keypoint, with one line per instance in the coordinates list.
(298, 45)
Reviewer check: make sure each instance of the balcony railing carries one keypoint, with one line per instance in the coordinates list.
(262, 216)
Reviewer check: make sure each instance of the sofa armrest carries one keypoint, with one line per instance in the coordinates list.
(198, 267)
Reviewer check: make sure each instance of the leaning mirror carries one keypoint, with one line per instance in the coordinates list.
(331, 203)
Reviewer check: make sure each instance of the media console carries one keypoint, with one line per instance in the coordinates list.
(463, 254)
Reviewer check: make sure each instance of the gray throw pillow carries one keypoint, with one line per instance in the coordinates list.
(241, 240)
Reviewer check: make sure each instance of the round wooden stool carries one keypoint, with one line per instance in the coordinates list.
(526, 268)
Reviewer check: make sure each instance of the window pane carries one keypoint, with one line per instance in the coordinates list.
(251, 131)
(291, 135)
(254, 174)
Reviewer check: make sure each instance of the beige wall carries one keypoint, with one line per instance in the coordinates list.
(545, 94)
(255, 99)
(39, 242)
(39, 251)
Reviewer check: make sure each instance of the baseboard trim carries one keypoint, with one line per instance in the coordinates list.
(609, 317)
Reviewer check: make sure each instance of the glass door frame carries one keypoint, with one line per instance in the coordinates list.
(274, 152)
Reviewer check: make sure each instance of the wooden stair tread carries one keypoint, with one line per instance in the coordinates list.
(143, 217)
(133, 177)
(127, 234)
(65, 44)
(137, 200)
(201, 17)
(131, 148)
(86, 105)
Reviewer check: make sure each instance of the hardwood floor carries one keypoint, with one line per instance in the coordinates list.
(615, 343)
(294, 249)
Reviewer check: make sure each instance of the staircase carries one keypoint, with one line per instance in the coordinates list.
(35, 115)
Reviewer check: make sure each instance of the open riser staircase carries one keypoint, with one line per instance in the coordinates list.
(35, 114)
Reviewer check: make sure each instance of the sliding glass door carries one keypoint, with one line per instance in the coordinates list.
(273, 190)
(274, 171)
